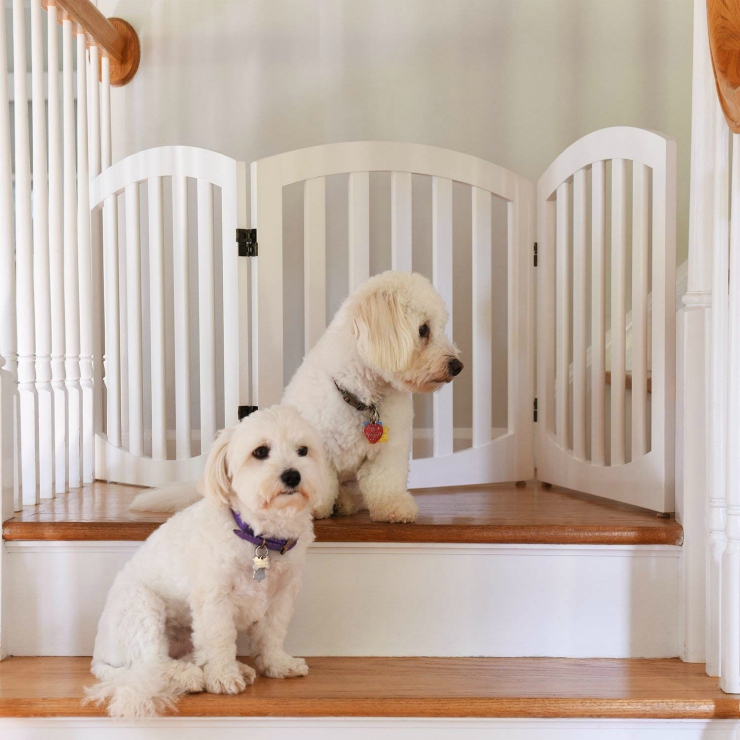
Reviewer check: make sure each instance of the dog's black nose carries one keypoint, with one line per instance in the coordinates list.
(454, 367)
(291, 477)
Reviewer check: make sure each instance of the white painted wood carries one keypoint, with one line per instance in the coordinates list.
(482, 332)
(442, 269)
(598, 311)
(570, 601)
(24, 267)
(105, 129)
(157, 318)
(649, 480)
(207, 315)
(717, 406)
(401, 221)
(509, 457)
(56, 258)
(563, 302)
(211, 170)
(730, 597)
(618, 309)
(580, 314)
(133, 322)
(85, 267)
(71, 264)
(181, 283)
(359, 228)
(112, 323)
(41, 285)
(314, 260)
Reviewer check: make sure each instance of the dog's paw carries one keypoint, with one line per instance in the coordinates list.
(231, 678)
(188, 677)
(348, 501)
(324, 510)
(400, 509)
(281, 666)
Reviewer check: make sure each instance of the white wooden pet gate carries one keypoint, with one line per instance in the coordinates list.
(237, 356)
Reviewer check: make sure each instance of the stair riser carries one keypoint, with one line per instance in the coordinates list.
(369, 729)
(379, 599)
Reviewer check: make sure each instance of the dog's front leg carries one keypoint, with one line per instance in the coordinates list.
(214, 643)
(384, 478)
(268, 636)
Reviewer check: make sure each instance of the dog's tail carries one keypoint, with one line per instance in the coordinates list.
(168, 499)
(132, 693)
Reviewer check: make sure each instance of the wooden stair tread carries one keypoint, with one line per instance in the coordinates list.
(411, 687)
(502, 513)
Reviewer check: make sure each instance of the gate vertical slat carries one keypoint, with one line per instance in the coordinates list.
(359, 228)
(156, 318)
(562, 336)
(442, 271)
(314, 259)
(482, 317)
(133, 321)
(207, 316)
(598, 312)
(618, 309)
(401, 183)
(580, 314)
(181, 286)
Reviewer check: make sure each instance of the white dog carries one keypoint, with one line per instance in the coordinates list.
(386, 342)
(231, 562)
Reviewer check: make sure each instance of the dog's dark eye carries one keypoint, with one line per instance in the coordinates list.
(261, 452)
(302, 451)
(424, 331)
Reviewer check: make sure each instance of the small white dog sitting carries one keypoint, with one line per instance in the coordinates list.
(386, 342)
(232, 562)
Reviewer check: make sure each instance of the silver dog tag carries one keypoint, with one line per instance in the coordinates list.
(261, 563)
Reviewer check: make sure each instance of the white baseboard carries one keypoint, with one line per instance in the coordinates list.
(396, 599)
(367, 728)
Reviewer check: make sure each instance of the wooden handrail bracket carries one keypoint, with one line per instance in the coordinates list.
(116, 37)
(723, 17)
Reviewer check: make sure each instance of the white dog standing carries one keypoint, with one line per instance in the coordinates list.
(232, 562)
(386, 342)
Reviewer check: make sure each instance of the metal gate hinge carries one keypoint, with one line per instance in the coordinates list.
(245, 411)
(247, 241)
(535, 258)
(535, 409)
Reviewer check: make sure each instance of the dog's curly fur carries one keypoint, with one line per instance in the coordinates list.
(171, 618)
(374, 349)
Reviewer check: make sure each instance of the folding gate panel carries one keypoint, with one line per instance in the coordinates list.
(174, 315)
(495, 200)
(606, 293)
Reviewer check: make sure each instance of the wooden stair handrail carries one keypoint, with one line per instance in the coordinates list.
(723, 20)
(116, 37)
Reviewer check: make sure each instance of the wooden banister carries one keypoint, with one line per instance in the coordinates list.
(723, 18)
(116, 37)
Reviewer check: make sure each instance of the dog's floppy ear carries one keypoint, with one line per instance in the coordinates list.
(385, 336)
(216, 483)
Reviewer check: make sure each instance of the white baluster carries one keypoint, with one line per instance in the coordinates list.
(133, 328)
(359, 228)
(9, 421)
(181, 282)
(401, 221)
(619, 272)
(482, 317)
(579, 314)
(85, 267)
(562, 300)
(56, 258)
(42, 309)
(442, 276)
(207, 317)
(598, 322)
(24, 266)
(314, 259)
(156, 317)
(71, 277)
(105, 130)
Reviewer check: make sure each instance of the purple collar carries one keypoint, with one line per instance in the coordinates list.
(247, 533)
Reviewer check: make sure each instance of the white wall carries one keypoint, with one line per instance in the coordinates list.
(512, 81)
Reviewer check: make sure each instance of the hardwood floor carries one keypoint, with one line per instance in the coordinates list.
(501, 513)
(411, 687)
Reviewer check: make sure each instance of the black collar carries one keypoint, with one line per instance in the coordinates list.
(355, 402)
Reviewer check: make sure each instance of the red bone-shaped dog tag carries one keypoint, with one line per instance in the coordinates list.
(373, 432)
